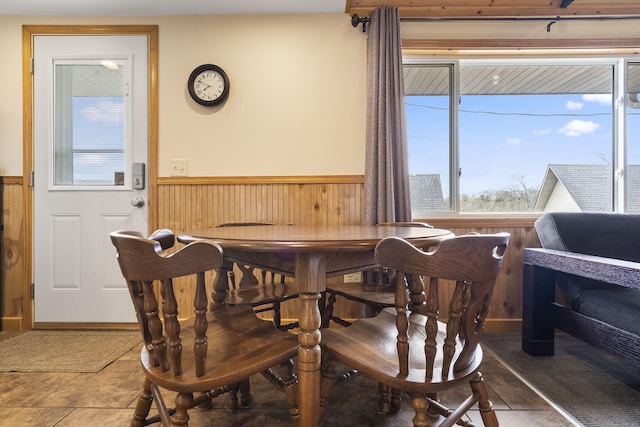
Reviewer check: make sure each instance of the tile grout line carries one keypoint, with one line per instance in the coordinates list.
(554, 405)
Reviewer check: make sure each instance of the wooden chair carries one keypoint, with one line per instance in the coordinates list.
(211, 354)
(264, 294)
(414, 349)
(375, 293)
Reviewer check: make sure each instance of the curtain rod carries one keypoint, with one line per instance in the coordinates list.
(356, 20)
(527, 18)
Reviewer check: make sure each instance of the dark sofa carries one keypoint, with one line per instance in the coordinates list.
(585, 280)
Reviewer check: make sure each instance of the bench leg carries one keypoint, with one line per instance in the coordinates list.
(537, 322)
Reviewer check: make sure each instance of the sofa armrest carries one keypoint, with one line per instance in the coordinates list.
(609, 270)
(540, 269)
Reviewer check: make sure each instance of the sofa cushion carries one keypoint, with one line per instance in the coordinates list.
(616, 306)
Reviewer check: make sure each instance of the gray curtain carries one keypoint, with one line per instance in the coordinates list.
(386, 182)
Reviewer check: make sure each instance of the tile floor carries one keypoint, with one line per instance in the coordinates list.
(107, 398)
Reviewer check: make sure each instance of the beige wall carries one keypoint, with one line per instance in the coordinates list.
(520, 29)
(296, 107)
(11, 102)
(297, 104)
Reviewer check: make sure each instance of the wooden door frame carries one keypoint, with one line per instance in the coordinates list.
(28, 33)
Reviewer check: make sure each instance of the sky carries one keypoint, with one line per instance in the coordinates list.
(98, 125)
(505, 139)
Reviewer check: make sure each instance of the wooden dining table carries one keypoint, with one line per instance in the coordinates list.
(310, 254)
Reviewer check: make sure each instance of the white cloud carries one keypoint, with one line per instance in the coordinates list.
(604, 98)
(546, 131)
(573, 105)
(107, 112)
(91, 113)
(513, 141)
(578, 127)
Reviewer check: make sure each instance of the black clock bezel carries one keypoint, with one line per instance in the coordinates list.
(192, 79)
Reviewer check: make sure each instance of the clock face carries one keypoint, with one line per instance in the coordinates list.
(208, 85)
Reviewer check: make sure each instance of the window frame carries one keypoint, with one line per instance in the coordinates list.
(616, 52)
(61, 162)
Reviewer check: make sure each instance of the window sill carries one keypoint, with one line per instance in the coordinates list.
(479, 220)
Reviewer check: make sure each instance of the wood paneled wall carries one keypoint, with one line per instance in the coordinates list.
(184, 204)
(204, 204)
(12, 278)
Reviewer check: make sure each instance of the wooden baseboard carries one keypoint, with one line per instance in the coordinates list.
(503, 325)
(10, 323)
(65, 325)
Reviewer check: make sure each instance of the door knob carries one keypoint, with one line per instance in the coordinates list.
(138, 202)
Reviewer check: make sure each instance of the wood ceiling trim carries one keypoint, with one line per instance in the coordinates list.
(497, 8)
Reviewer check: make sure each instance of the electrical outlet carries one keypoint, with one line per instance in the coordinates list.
(353, 277)
(179, 167)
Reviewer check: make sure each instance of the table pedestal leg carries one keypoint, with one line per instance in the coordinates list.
(310, 274)
(309, 363)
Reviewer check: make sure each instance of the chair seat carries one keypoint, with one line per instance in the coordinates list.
(366, 293)
(236, 338)
(261, 294)
(365, 346)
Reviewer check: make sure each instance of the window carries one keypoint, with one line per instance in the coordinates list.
(524, 135)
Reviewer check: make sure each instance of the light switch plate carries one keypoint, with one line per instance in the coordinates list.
(353, 277)
(179, 167)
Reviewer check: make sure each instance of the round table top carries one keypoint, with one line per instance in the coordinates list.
(301, 238)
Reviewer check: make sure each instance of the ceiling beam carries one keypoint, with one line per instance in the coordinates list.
(434, 9)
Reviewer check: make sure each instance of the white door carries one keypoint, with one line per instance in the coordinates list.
(90, 148)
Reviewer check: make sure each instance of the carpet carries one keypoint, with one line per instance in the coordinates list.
(65, 350)
(596, 388)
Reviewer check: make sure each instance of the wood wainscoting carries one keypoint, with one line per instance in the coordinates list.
(189, 203)
(192, 202)
(12, 267)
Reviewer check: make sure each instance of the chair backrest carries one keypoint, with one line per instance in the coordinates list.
(248, 277)
(470, 264)
(165, 237)
(143, 265)
(405, 224)
(385, 276)
(242, 224)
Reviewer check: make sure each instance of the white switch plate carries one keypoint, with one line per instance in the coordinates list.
(353, 277)
(179, 167)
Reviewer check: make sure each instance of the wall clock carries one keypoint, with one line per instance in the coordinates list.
(208, 85)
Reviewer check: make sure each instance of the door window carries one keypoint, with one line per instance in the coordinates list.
(90, 123)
